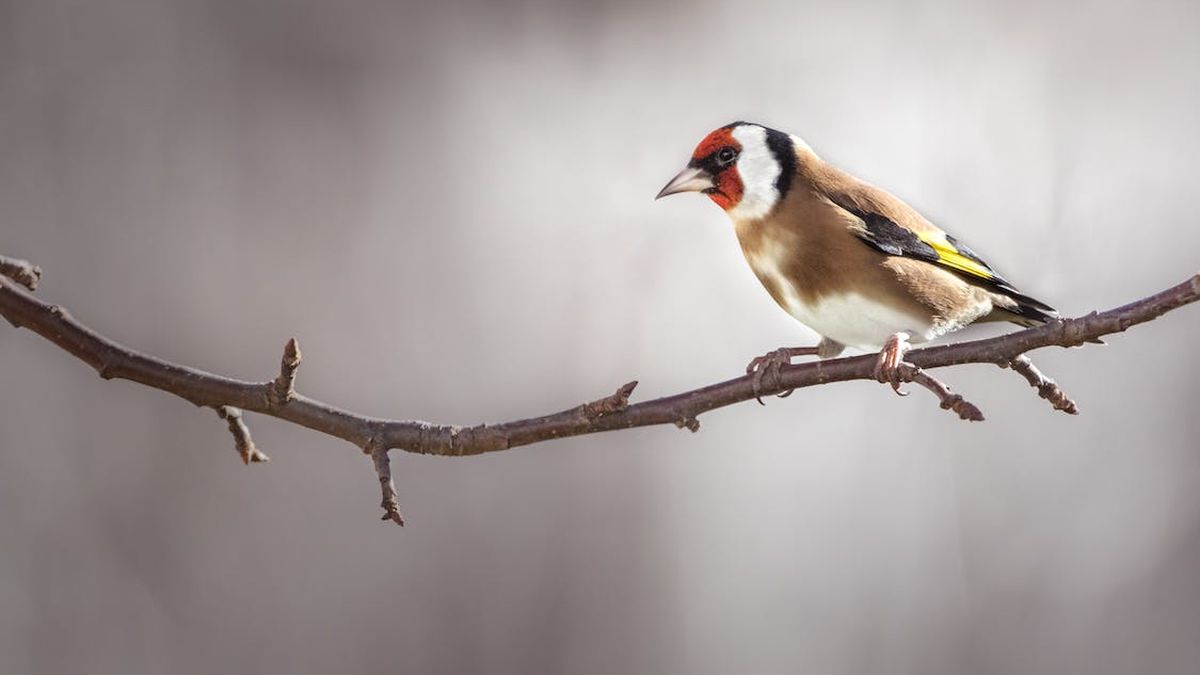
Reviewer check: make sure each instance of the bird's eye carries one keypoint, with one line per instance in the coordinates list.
(726, 156)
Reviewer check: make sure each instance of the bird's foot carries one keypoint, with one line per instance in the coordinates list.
(769, 364)
(891, 368)
(888, 366)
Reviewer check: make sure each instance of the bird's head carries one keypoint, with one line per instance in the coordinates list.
(744, 168)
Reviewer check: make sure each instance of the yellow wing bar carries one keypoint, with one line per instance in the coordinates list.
(950, 255)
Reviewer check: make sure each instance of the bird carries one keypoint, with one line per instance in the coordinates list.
(855, 264)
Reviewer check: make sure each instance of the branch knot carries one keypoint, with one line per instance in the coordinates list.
(688, 422)
(21, 271)
(613, 403)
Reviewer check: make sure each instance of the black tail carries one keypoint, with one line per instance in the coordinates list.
(1028, 311)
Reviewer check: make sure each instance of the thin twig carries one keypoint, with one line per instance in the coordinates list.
(383, 468)
(113, 360)
(1047, 388)
(948, 399)
(241, 435)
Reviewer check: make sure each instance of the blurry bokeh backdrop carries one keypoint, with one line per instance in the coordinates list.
(450, 205)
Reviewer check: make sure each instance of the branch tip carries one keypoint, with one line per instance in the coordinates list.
(241, 435)
(291, 352)
(947, 399)
(283, 388)
(383, 468)
(1047, 388)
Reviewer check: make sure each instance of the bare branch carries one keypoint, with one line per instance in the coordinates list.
(279, 399)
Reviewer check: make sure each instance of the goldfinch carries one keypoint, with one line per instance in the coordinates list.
(855, 264)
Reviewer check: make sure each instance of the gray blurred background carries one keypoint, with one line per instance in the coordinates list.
(450, 206)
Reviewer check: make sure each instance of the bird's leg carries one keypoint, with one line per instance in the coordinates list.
(771, 362)
(887, 366)
(892, 369)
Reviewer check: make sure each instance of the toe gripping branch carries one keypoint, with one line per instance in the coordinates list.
(770, 365)
(891, 368)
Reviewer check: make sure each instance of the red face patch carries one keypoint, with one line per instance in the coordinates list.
(715, 141)
(729, 184)
(729, 189)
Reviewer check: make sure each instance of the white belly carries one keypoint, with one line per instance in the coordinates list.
(851, 319)
(856, 321)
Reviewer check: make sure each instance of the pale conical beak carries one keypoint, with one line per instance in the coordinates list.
(690, 179)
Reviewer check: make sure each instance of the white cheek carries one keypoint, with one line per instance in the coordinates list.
(759, 171)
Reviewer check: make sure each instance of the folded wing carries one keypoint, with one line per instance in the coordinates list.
(935, 246)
